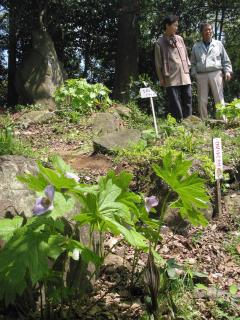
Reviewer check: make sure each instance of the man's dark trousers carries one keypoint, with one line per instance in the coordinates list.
(180, 101)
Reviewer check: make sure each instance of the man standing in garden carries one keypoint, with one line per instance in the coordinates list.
(210, 65)
(172, 66)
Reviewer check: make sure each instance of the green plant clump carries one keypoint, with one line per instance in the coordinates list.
(145, 81)
(50, 235)
(231, 110)
(77, 97)
(9, 145)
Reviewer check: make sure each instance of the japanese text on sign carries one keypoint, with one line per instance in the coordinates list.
(147, 93)
(217, 150)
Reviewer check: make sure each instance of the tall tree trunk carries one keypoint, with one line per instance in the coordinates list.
(221, 24)
(216, 24)
(127, 51)
(12, 96)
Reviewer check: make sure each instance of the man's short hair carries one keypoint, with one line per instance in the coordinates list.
(203, 25)
(169, 20)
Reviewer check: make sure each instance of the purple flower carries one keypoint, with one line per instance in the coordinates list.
(44, 204)
(150, 202)
(71, 175)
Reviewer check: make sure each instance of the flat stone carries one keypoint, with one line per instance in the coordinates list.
(121, 110)
(192, 120)
(113, 261)
(121, 139)
(105, 122)
(215, 122)
(35, 116)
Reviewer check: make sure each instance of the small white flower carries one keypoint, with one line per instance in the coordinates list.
(71, 175)
(76, 254)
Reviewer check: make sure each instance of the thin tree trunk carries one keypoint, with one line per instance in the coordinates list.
(12, 97)
(127, 51)
(216, 24)
(221, 24)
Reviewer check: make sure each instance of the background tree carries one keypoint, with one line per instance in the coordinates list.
(110, 41)
(127, 48)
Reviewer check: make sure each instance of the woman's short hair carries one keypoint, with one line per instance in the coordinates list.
(169, 20)
(203, 25)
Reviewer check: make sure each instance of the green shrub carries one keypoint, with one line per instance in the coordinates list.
(142, 82)
(76, 97)
(231, 110)
(138, 119)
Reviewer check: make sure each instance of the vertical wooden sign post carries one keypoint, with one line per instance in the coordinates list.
(149, 93)
(217, 152)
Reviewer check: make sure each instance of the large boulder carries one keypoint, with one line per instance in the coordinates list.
(15, 197)
(121, 110)
(232, 203)
(121, 139)
(104, 122)
(35, 116)
(40, 73)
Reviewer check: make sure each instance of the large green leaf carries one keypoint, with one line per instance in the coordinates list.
(192, 195)
(108, 193)
(57, 179)
(9, 226)
(122, 180)
(25, 256)
(25, 253)
(133, 237)
(56, 244)
(60, 165)
(86, 254)
(62, 205)
(36, 183)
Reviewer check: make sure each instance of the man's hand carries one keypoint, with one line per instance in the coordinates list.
(228, 76)
(162, 83)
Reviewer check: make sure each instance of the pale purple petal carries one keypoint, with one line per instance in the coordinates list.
(150, 202)
(39, 208)
(49, 192)
(44, 204)
(71, 175)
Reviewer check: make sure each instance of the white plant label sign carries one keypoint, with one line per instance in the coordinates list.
(147, 93)
(217, 151)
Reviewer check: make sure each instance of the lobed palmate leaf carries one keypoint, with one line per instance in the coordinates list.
(192, 195)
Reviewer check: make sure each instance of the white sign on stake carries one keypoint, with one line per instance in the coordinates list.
(217, 151)
(149, 93)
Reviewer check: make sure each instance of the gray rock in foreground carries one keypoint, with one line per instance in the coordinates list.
(104, 122)
(15, 197)
(120, 139)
